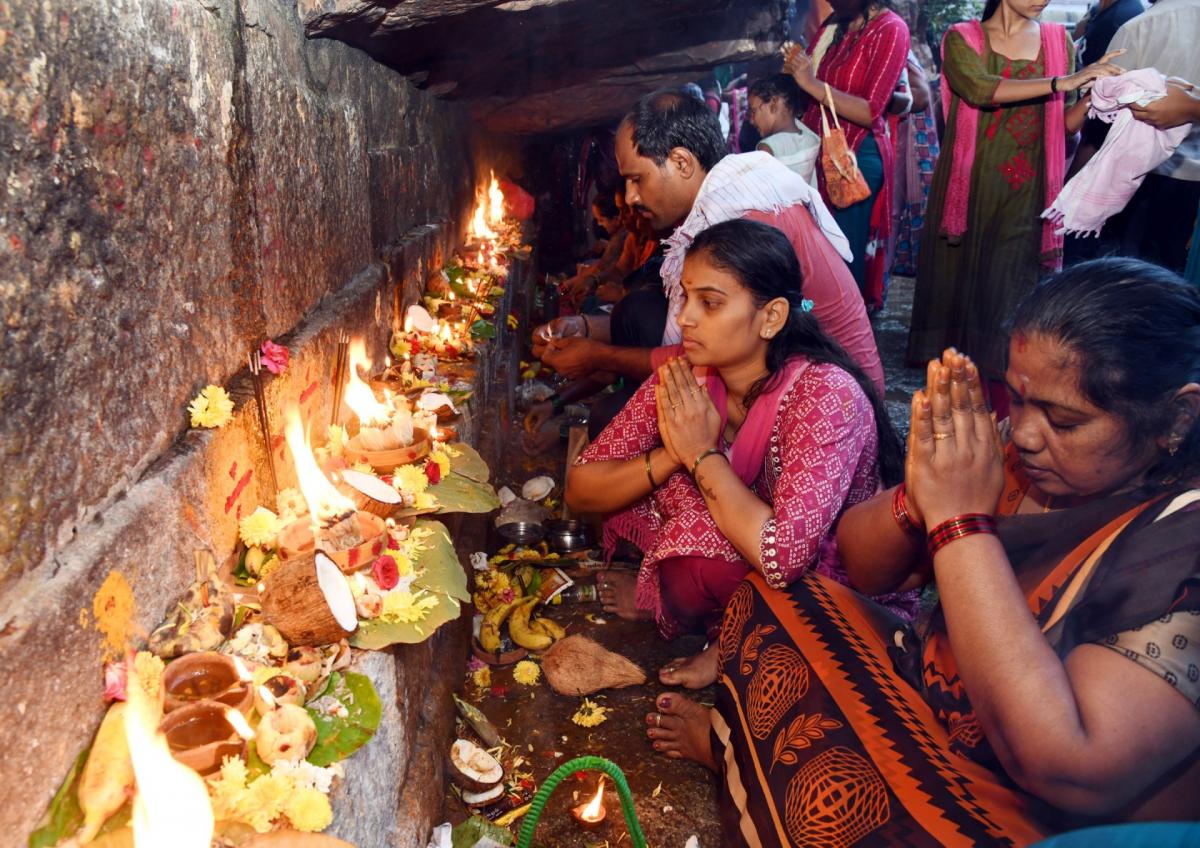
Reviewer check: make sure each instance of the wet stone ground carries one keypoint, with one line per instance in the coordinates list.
(673, 799)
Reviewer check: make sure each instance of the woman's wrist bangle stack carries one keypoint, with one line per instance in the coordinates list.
(959, 527)
(649, 471)
(705, 455)
(901, 514)
(1054, 85)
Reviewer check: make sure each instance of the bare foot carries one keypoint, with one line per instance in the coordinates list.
(618, 594)
(693, 672)
(680, 730)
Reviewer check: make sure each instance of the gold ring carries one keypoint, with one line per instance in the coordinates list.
(939, 436)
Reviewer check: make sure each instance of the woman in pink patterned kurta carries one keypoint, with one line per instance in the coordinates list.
(793, 427)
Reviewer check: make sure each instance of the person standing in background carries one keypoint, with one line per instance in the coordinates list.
(916, 155)
(774, 103)
(859, 53)
(1158, 222)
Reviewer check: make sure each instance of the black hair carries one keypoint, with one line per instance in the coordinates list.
(1134, 331)
(606, 203)
(779, 85)
(763, 260)
(844, 26)
(989, 9)
(667, 119)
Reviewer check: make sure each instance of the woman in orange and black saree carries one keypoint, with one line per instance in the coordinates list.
(1054, 679)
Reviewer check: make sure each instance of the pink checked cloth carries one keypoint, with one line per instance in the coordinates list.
(1132, 149)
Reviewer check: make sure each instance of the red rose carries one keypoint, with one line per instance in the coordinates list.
(386, 572)
(434, 472)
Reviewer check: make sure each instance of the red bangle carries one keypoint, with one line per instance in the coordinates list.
(959, 527)
(900, 513)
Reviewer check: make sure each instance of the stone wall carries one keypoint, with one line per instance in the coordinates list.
(182, 180)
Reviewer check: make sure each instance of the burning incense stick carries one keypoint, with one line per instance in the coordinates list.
(340, 365)
(260, 400)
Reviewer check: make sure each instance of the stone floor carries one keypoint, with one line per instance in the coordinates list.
(538, 720)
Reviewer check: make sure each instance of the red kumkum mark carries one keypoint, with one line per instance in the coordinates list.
(237, 490)
(307, 393)
(233, 470)
(352, 560)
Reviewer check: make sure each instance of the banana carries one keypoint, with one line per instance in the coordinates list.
(550, 628)
(489, 631)
(520, 630)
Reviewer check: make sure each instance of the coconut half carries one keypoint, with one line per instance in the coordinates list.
(371, 486)
(537, 488)
(473, 768)
(433, 401)
(337, 592)
(482, 799)
(419, 319)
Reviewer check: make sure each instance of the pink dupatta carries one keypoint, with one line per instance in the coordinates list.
(954, 212)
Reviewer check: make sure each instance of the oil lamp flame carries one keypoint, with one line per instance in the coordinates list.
(324, 501)
(495, 202)
(267, 697)
(239, 724)
(358, 395)
(592, 812)
(244, 674)
(171, 808)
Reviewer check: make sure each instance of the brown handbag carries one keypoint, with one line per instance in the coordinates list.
(844, 183)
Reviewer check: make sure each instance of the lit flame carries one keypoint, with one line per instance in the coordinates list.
(445, 333)
(324, 501)
(171, 808)
(592, 811)
(267, 697)
(243, 672)
(495, 202)
(358, 395)
(239, 724)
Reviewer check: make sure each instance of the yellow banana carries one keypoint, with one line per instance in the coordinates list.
(489, 631)
(551, 628)
(522, 633)
(107, 781)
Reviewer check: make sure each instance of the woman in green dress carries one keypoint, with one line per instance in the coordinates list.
(1008, 88)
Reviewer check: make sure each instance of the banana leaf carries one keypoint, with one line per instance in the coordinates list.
(457, 493)
(339, 737)
(468, 462)
(443, 576)
(481, 328)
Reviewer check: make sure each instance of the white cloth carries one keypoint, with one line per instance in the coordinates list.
(798, 150)
(1165, 36)
(738, 184)
(1132, 149)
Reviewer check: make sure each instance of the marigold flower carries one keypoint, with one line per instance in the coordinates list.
(410, 479)
(211, 408)
(590, 714)
(527, 673)
(260, 528)
(308, 810)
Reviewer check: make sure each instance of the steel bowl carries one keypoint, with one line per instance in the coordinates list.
(567, 535)
(522, 532)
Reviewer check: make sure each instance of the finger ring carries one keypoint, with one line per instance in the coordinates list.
(940, 436)
(657, 720)
(676, 405)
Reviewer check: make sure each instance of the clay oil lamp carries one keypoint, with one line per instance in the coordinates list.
(207, 676)
(591, 815)
(203, 733)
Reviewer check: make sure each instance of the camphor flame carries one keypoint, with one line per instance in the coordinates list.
(592, 811)
(324, 501)
(171, 808)
(358, 395)
(495, 202)
(239, 724)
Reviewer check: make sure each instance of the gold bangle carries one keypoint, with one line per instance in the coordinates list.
(704, 456)
(649, 473)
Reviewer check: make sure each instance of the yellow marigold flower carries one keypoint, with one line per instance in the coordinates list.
(482, 677)
(147, 673)
(365, 468)
(211, 408)
(290, 504)
(527, 673)
(337, 440)
(308, 810)
(443, 461)
(590, 714)
(265, 798)
(409, 478)
(406, 607)
(260, 528)
(425, 500)
(403, 564)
